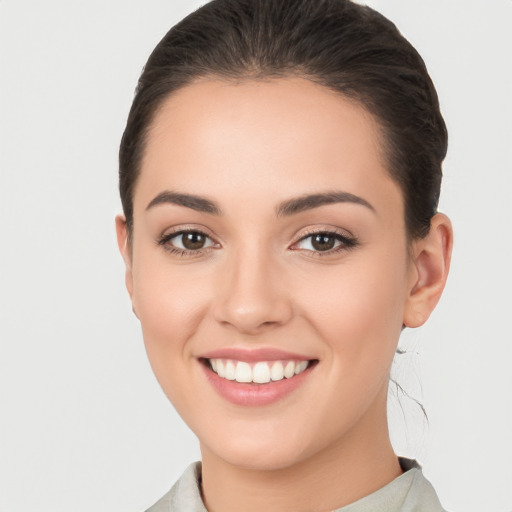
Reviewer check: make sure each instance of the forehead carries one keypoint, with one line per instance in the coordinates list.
(255, 138)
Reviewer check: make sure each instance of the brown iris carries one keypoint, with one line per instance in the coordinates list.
(193, 240)
(323, 241)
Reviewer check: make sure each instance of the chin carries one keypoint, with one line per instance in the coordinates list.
(259, 459)
(259, 452)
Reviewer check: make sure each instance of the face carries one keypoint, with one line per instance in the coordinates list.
(269, 268)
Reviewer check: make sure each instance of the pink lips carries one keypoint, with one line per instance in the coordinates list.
(250, 394)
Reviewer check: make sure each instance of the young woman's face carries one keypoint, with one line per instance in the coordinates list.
(270, 239)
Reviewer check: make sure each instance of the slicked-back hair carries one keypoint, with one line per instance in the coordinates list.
(346, 47)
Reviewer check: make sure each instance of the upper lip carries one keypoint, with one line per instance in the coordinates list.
(253, 355)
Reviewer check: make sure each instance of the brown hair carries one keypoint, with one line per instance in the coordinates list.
(346, 47)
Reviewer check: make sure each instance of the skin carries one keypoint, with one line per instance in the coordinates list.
(250, 146)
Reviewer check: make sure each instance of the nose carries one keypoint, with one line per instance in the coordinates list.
(252, 294)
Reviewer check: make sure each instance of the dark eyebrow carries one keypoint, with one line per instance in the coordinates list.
(198, 203)
(287, 208)
(308, 202)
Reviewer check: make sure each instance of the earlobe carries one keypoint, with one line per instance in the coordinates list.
(429, 271)
(125, 250)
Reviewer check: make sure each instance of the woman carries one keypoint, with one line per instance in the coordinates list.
(280, 174)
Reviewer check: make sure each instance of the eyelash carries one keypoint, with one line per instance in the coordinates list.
(346, 242)
(165, 239)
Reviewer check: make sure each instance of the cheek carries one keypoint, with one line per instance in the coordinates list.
(359, 311)
(167, 308)
(170, 304)
(357, 316)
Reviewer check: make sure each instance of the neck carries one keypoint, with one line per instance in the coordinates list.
(360, 463)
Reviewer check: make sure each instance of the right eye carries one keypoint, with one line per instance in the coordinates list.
(182, 242)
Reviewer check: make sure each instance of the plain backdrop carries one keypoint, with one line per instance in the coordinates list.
(83, 424)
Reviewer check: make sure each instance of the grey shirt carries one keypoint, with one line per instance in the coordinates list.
(410, 492)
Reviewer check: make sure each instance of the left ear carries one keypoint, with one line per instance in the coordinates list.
(429, 269)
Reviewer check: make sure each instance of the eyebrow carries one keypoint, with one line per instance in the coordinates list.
(200, 204)
(285, 209)
(308, 202)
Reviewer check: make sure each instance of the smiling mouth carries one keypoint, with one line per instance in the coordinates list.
(260, 372)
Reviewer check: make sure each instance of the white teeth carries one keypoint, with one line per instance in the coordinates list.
(277, 372)
(230, 370)
(243, 372)
(289, 369)
(300, 367)
(220, 368)
(261, 372)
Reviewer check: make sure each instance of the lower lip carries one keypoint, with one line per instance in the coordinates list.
(246, 394)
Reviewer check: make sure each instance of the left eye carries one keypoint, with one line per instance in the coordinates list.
(189, 240)
(322, 242)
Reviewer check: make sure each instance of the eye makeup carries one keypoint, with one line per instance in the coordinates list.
(188, 242)
(191, 242)
(325, 242)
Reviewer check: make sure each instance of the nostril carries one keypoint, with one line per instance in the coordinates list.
(253, 320)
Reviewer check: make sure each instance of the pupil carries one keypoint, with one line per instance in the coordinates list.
(193, 240)
(323, 242)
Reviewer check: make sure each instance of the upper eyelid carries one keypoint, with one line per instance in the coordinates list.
(164, 241)
(327, 230)
(175, 231)
(330, 230)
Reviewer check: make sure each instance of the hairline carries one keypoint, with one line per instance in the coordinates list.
(265, 76)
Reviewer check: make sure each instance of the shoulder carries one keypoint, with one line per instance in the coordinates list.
(410, 492)
(421, 496)
(185, 495)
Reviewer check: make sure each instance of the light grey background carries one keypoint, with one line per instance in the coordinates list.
(83, 423)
